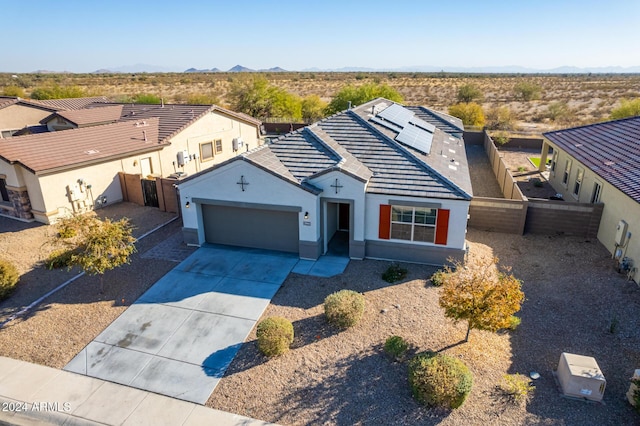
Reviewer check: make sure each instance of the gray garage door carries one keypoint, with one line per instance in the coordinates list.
(245, 227)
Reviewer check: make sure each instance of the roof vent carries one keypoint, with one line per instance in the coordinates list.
(144, 133)
(92, 151)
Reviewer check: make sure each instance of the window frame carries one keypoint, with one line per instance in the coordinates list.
(420, 225)
(567, 173)
(202, 156)
(217, 145)
(595, 195)
(577, 184)
(554, 162)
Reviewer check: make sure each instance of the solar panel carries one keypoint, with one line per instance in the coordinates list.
(397, 115)
(386, 124)
(416, 138)
(423, 124)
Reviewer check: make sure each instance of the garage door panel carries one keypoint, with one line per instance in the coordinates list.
(245, 227)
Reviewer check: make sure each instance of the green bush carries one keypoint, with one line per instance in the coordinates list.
(500, 138)
(470, 113)
(60, 258)
(516, 387)
(396, 347)
(438, 277)
(394, 273)
(439, 380)
(275, 336)
(9, 277)
(344, 308)
(514, 322)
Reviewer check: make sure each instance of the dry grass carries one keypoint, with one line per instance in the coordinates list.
(590, 97)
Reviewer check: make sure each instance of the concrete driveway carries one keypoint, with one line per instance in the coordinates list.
(181, 335)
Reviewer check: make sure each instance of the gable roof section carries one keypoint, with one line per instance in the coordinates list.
(396, 169)
(48, 152)
(6, 101)
(610, 149)
(89, 116)
(72, 103)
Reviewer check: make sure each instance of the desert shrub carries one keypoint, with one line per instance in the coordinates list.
(500, 118)
(14, 91)
(527, 91)
(559, 112)
(437, 278)
(516, 387)
(627, 108)
(275, 336)
(394, 273)
(438, 380)
(60, 258)
(9, 277)
(514, 322)
(146, 98)
(537, 182)
(469, 93)
(470, 113)
(396, 346)
(358, 95)
(344, 308)
(500, 138)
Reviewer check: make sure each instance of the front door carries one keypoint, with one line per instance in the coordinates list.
(343, 217)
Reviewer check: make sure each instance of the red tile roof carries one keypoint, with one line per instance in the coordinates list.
(87, 116)
(610, 149)
(48, 152)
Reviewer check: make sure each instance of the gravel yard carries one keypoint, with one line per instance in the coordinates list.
(575, 302)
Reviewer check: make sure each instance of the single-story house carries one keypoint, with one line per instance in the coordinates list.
(391, 181)
(599, 163)
(69, 161)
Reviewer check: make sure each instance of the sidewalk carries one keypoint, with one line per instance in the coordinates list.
(33, 394)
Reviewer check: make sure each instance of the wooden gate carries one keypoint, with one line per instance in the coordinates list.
(150, 192)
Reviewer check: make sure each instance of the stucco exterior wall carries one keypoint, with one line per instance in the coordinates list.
(617, 205)
(209, 128)
(17, 116)
(262, 188)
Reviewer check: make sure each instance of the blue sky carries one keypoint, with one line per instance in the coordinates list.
(82, 36)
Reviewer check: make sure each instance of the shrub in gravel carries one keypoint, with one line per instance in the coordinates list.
(275, 336)
(438, 380)
(344, 308)
(516, 387)
(60, 258)
(514, 322)
(437, 278)
(9, 277)
(394, 273)
(396, 347)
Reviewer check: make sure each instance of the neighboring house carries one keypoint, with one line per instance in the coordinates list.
(600, 163)
(72, 157)
(16, 114)
(391, 181)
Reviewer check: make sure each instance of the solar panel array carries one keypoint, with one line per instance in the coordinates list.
(416, 138)
(412, 131)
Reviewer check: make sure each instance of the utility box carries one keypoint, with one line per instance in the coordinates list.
(580, 377)
(621, 232)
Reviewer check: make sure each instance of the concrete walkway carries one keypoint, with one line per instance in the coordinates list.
(181, 335)
(31, 394)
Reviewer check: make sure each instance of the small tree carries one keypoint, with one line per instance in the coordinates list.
(481, 294)
(500, 118)
(469, 93)
(470, 113)
(14, 91)
(313, 108)
(358, 95)
(627, 108)
(99, 245)
(527, 91)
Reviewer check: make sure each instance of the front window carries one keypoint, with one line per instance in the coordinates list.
(413, 223)
(218, 143)
(554, 161)
(595, 195)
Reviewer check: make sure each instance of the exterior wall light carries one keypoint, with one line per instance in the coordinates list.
(306, 215)
(188, 204)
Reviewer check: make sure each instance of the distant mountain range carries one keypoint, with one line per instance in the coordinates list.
(513, 69)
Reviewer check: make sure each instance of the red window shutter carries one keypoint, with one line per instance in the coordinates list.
(384, 230)
(442, 226)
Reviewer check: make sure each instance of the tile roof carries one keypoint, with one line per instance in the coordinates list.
(72, 103)
(6, 101)
(610, 149)
(90, 116)
(445, 122)
(48, 152)
(350, 142)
